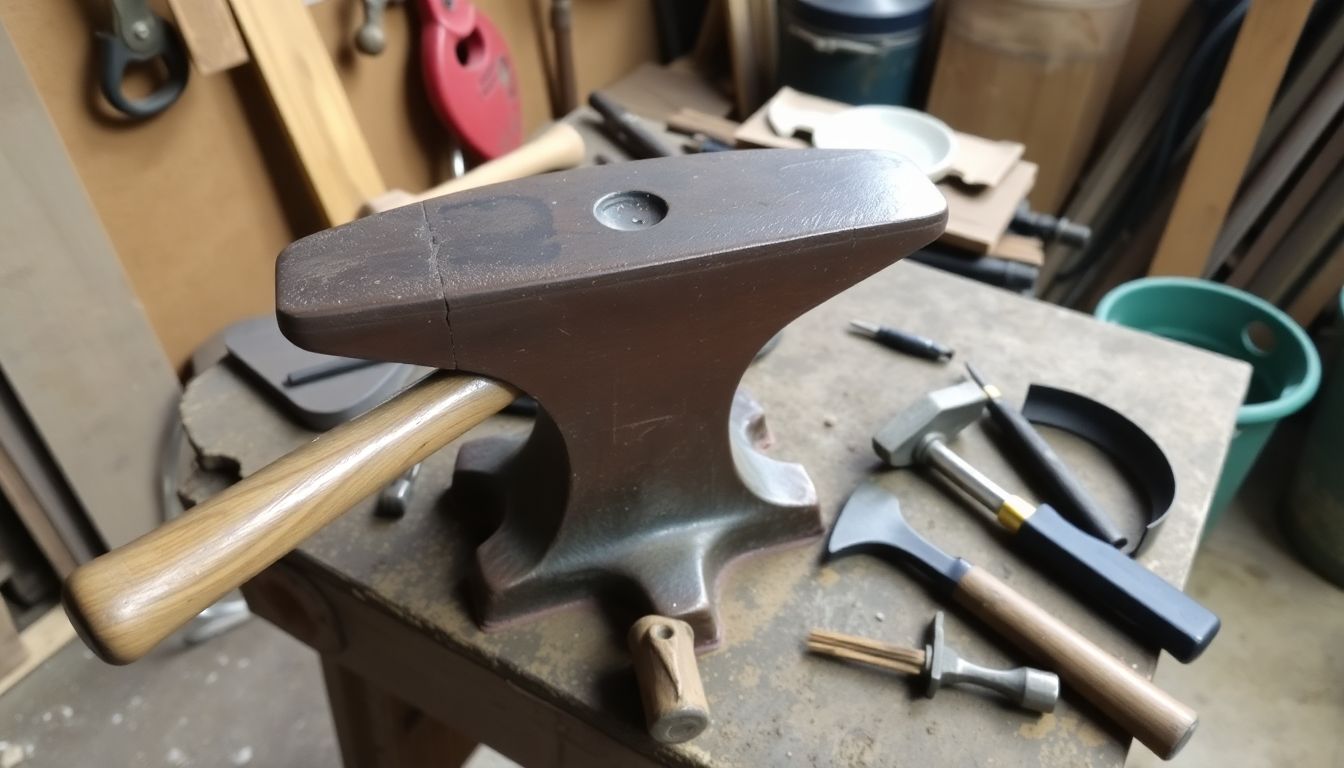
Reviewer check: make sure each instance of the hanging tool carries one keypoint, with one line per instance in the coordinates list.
(939, 665)
(1152, 610)
(1029, 451)
(371, 38)
(140, 36)
(871, 522)
(626, 130)
(470, 78)
(901, 341)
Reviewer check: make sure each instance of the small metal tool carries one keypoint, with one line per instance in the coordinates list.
(901, 341)
(395, 497)
(871, 523)
(1029, 451)
(1150, 609)
(939, 665)
(139, 35)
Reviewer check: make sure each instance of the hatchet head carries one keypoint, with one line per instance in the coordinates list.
(871, 522)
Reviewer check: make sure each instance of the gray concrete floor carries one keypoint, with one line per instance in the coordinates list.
(1270, 690)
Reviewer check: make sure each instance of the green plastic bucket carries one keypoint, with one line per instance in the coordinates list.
(1285, 367)
(1313, 512)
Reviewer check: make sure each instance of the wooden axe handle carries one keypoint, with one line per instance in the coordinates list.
(1145, 711)
(560, 146)
(128, 600)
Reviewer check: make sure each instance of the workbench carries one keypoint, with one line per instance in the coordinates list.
(411, 676)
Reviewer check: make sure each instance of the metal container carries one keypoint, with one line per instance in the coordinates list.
(855, 51)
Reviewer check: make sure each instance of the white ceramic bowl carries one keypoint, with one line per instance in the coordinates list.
(925, 139)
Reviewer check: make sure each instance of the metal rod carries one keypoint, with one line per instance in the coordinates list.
(937, 455)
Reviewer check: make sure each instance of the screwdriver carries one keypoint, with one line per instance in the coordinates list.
(1030, 451)
(901, 341)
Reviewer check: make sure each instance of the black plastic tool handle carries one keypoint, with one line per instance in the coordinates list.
(1156, 612)
(1057, 481)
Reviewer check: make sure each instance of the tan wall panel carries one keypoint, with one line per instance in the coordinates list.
(199, 200)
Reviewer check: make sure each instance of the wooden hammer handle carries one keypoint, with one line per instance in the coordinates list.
(1145, 711)
(558, 147)
(126, 601)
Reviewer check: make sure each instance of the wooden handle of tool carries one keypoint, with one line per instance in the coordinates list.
(1147, 712)
(663, 649)
(126, 601)
(559, 147)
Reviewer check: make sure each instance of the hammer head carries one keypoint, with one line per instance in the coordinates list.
(939, 414)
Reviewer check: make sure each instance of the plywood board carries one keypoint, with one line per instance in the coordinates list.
(75, 345)
(1250, 80)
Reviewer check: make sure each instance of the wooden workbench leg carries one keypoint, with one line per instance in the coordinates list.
(378, 730)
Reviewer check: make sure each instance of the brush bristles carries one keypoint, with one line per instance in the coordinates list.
(865, 651)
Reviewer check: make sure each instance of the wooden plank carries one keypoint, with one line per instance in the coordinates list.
(1319, 170)
(211, 34)
(30, 512)
(1254, 71)
(1304, 82)
(1114, 169)
(1321, 290)
(747, 87)
(12, 652)
(1156, 23)
(1308, 238)
(312, 105)
(41, 640)
(75, 345)
(1267, 180)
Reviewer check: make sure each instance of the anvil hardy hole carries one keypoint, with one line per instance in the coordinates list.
(629, 211)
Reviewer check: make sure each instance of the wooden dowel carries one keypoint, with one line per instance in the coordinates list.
(910, 657)
(128, 600)
(669, 678)
(865, 657)
(1145, 711)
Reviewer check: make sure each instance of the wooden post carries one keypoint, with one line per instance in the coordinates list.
(1254, 70)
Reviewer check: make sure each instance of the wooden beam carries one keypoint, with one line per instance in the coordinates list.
(1254, 70)
(312, 104)
(211, 34)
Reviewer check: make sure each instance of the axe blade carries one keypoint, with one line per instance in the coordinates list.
(871, 523)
